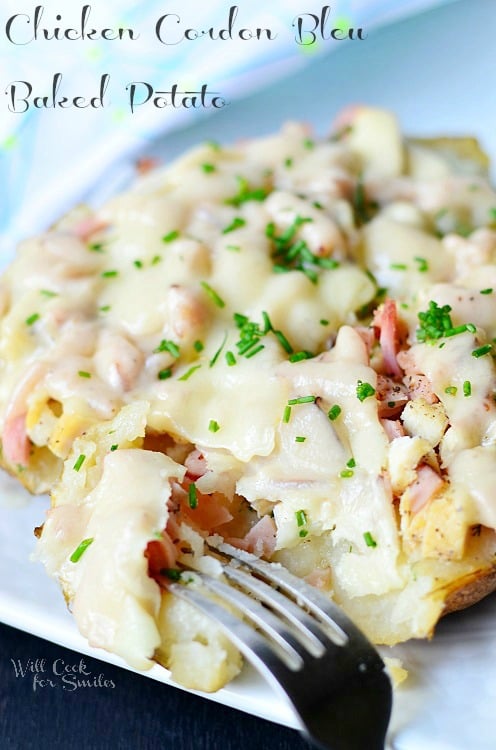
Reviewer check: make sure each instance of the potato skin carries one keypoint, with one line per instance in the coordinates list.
(470, 589)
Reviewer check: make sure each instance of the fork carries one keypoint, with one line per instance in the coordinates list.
(302, 643)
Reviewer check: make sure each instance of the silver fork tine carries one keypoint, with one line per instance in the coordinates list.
(342, 697)
(340, 626)
(315, 640)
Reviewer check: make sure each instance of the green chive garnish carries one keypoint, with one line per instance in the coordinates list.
(398, 266)
(334, 412)
(208, 168)
(165, 374)
(283, 342)
(364, 390)
(324, 322)
(300, 439)
(351, 463)
(287, 414)
(252, 352)
(301, 518)
(49, 294)
(192, 496)
(172, 573)
(217, 353)
(80, 461)
(213, 426)
(299, 356)
(467, 388)
(198, 346)
(138, 263)
(230, 359)
(32, 319)
(213, 294)
(109, 274)
(303, 533)
(156, 259)
(79, 551)
(189, 372)
(422, 264)
(451, 390)
(481, 351)
(171, 236)
(346, 473)
(369, 539)
(168, 346)
(114, 447)
(84, 374)
(236, 223)
(486, 291)
(302, 400)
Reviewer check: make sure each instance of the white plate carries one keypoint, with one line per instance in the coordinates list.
(437, 76)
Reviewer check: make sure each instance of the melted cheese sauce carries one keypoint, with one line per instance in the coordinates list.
(153, 300)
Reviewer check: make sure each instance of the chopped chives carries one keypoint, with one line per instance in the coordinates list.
(109, 274)
(164, 374)
(233, 248)
(156, 259)
(334, 412)
(84, 374)
(209, 168)
(213, 294)
(451, 390)
(422, 264)
(48, 293)
(32, 319)
(189, 372)
(236, 223)
(467, 388)
(301, 518)
(80, 550)
(172, 573)
(104, 308)
(303, 533)
(192, 496)
(287, 414)
(171, 236)
(283, 342)
(364, 390)
(166, 345)
(138, 263)
(398, 266)
(80, 461)
(486, 291)
(324, 322)
(267, 322)
(288, 162)
(230, 359)
(96, 247)
(198, 346)
(213, 426)
(300, 439)
(481, 351)
(217, 353)
(252, 352)
(299, 356)
(351, 463)
(346, 473)
(245, 193)
(309, 143)
(302, 400)
(369, 539)
(114, 447)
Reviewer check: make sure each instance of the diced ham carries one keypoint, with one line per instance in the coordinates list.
(211, 511)
(320, 578)
(393, 428)
(428, 482)
(392, 397)
(88, 226)
(161, 554)
(15, 442)
(261, 539)
(386, 320)
(196, 465)
(146, 164)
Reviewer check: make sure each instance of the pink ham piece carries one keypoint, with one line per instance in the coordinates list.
(15, 442)
(88, 226)
(261, 539)
(393, 428)
(161, 554)
(428, 482)
(386, 320)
